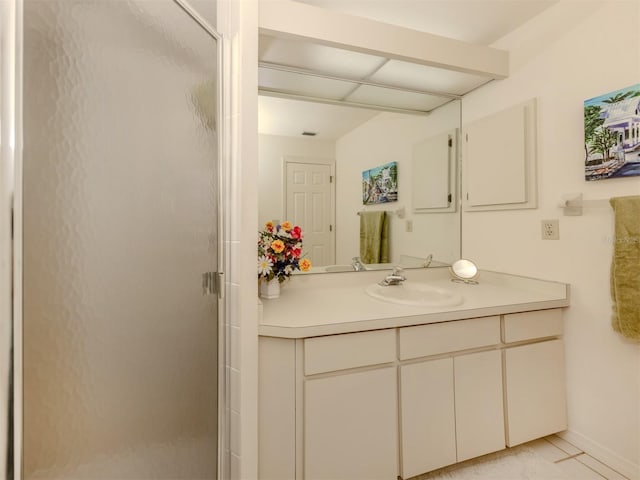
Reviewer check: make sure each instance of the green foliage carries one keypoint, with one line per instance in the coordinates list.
(603, 139)
(592, 122)
(618, 97)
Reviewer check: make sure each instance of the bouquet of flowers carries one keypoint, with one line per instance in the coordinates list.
(279, 250)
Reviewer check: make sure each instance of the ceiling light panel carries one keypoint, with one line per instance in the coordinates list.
(396, 98)
(303, 84)
(422, 77)
(319, 58)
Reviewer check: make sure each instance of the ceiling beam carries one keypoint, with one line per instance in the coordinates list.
(289, 19)
(274, 92)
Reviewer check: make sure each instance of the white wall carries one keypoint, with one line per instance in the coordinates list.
(572, 52)
(390, 138)
(272, 149)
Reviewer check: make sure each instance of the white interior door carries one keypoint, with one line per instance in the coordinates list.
(309, 204)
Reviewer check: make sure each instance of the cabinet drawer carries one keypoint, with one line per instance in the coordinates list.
(528, 325)
(339, 352)
(424, 340)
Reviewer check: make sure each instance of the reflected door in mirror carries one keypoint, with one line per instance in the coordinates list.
(309, 205)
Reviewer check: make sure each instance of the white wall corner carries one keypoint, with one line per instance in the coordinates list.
(238, 24)
(603, 454)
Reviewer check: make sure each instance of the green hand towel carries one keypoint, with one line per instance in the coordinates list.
(384, 240)
(374, 237)
(625, 271)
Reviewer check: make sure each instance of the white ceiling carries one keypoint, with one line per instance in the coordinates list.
(289, 118)
(477, 21)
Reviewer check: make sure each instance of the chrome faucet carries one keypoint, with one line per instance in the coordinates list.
(396, 277)
(357, 264)
(427, 261)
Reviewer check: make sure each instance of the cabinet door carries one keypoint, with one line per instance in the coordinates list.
(351, 427)
(428, 423)
(479, 405)
(276, 408)
(535, 387)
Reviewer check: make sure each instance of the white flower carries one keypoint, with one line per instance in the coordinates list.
(264, 265)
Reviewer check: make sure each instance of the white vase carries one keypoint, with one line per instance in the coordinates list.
(270, 288)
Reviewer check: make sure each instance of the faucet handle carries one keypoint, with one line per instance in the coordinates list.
(397, 270)
(357, 264)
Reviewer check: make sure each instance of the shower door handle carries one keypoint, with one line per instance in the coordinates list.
(212, 283)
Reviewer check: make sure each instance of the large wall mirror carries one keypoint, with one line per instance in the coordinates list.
(311, 162)
(352, 101)
(319, 131)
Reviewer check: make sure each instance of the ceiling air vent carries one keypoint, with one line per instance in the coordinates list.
(310, 134)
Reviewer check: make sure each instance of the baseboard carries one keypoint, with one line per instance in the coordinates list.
(603, 454)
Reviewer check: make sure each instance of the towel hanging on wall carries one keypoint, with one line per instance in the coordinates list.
(374, 237)
(625, 267)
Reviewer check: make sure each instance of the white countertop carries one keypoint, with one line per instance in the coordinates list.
(331, 303)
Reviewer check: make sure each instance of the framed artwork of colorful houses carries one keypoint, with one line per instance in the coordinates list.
(380, 184)
(612, 134)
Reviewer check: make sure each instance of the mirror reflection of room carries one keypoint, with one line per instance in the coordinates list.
(312, 163)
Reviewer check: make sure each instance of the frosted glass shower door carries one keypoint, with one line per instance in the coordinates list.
(120, 223)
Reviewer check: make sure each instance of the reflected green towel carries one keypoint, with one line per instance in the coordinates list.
(384, 240)
(203, 98)
(374, 237)
(625, 267)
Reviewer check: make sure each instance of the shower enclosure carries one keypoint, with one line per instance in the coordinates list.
(118, 205)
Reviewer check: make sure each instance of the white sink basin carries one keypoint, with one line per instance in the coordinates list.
(416, 294)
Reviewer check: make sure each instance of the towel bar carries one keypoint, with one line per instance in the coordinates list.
(573, 204)
(400, 212)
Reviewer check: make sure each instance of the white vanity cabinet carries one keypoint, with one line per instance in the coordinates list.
(534, 376)
(479, 406)
(451, 408)
(428, 416)
(398, 402)
(350, 426)
(350, 416)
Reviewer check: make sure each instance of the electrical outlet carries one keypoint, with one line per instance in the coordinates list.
(409, 225)
(550, 230)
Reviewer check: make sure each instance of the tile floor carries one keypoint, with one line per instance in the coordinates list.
(550, 458)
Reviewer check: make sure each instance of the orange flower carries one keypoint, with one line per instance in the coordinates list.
(279, 251)
(277, 246)
(305, 264)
